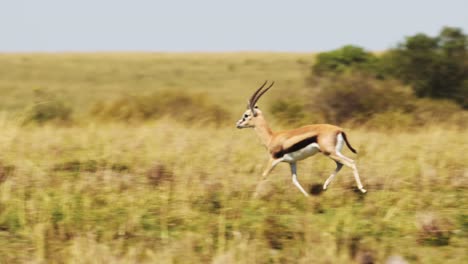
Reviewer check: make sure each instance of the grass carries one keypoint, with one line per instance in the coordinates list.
(165, 192)
(206, 209)
(105, 76)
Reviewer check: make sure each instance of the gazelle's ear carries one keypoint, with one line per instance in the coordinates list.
(255, 112)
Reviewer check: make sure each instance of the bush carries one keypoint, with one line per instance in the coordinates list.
(357, 97)
(435, 67)
(291, 112)
(347, 58)
(379, 104)
(179, 106)
(48, 108)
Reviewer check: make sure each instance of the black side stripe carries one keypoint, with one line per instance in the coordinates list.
(299, 145)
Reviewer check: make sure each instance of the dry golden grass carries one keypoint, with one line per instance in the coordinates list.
(165, 192)
(88, 194)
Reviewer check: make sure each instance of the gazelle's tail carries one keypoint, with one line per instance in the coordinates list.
(347, 143)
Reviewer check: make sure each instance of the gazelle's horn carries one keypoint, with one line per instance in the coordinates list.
(253, 100)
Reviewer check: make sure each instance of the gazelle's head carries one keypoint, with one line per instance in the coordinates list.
(250, 115)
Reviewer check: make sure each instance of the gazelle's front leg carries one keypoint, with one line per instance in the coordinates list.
(270, 166)
(294, 178)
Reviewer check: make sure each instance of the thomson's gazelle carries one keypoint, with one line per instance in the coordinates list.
(293, 145)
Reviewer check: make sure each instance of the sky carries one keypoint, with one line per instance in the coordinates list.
(218, 26)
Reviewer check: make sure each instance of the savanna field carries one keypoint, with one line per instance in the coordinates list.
(135, 158)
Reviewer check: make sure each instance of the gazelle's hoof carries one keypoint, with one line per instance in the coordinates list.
(363, 190)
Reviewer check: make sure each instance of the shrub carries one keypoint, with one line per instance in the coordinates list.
(48, 108)
(347, 58)
(435, 67)
(357, 97)
(288, 111)
(182, 107)
(385, 104)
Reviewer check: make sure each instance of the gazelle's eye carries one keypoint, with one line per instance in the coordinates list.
(246, 115)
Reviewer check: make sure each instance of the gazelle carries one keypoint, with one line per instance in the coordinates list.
(297, 144)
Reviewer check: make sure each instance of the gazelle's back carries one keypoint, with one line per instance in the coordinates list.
(287, 138)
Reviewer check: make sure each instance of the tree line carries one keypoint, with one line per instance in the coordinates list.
(433, 66)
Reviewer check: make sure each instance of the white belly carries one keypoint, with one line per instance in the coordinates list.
(303, 153)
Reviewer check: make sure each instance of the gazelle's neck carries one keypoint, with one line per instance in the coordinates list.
(263, 131)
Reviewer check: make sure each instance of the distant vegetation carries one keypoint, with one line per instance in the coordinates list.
(349, 58)
(356, 98)
(180, 106)
(422, 80)
(47, 108)
(434, 67)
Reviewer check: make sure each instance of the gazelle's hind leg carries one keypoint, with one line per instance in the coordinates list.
(340, 158)
(338, 168)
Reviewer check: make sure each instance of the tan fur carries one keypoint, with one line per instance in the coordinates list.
(297, 144)
(326, 135)
(278, 141)
(274, 141)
